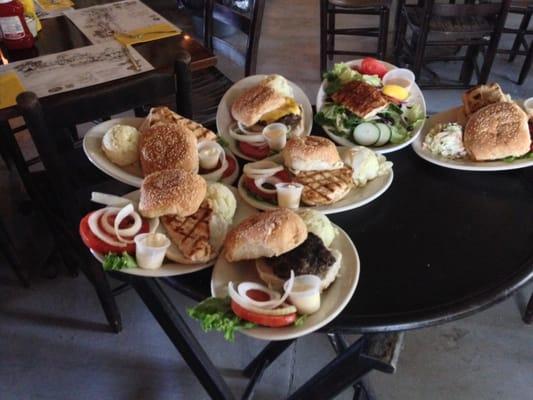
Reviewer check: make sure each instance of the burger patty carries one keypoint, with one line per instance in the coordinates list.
(289, 120)
(311, 257)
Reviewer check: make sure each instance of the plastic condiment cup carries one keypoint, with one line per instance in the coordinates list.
(150, 249)
(289, 194)
(400, 76)
(305, 293)
(209, 157)
(528, 105)
(276, 135)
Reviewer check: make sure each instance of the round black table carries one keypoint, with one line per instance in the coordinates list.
(438, 245)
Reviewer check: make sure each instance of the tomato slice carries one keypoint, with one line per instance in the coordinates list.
(232, 165)
(254, 151)
(94, 243)
(371, 66)
(273, 321)
(270, 197)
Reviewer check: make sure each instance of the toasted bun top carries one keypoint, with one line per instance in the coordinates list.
(171, 192)
(496, 131)
(168, 147)
(266, 234)
(254, 102)
(311, 153)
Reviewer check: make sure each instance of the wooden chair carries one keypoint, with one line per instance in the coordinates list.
(10, 254)
(476, 25)
(209, 85)
(521, 45)
(62, 191)
(328, 30)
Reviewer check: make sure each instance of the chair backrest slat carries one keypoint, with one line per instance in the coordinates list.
(248, 23)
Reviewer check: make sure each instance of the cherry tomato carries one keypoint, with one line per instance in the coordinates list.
(253, 151)
(94, 243)
(371, 66)
(232, 165)
(249, 184)
(273, 321)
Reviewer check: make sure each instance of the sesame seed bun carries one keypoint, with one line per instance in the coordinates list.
(254, 103)
(311, 153)
(266, 234)
(497, 131)
(171, 192)
(168, 147)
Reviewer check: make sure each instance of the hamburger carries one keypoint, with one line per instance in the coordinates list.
(170, 146)
(279, 241)
(195, 215)
(497, 131)
(268, 102)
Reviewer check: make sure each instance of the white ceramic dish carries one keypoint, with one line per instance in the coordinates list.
(357, 197)
(464, 164)
(416, 98)
(224, 119)
(130, 175)
(333, 300)
(170, 268)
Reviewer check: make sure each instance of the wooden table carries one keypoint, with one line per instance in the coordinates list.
(59, 34)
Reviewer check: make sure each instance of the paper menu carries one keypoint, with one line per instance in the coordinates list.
(76, 69)
(101, 23)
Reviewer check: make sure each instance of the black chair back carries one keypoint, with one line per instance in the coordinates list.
(248, 23)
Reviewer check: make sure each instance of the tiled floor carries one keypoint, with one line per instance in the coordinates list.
(54, 343)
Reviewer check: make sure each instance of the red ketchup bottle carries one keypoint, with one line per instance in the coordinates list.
(15, 32)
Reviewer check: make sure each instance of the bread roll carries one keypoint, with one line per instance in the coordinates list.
(171, 192)
(168, 147)
(249, 107)
(266, 234)
(311, 153)
(497, 131)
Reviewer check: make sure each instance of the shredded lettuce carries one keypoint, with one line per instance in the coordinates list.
(115, 262)
(342, 73)
(215, 314)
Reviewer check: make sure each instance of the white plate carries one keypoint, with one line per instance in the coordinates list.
(465, 164)
(416, 98)
(132, 174)
(224, 118)
(170, 268)
(333, 300)
(357, 197)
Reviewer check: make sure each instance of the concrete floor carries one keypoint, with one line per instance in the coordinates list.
(54, 343)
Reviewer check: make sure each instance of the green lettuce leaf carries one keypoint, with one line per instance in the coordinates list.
(413, 113)
(116, 262)
(372, 80)
(215, 314)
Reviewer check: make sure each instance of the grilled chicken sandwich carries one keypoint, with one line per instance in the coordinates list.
(195, 215)
(497, 131)
(316, 164)
(362, 99)
(279, 241)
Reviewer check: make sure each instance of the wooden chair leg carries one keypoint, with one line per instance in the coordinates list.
(383, 33)
(527, 65)
(331, 36)
(528, 314)
(492, 48)
(419, 53)
(400, 33)
(323, 37)
(8, 251)
(520, 35)
(469, 65)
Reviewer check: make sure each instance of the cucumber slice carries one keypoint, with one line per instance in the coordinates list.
(385, 134)
(366, 134)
